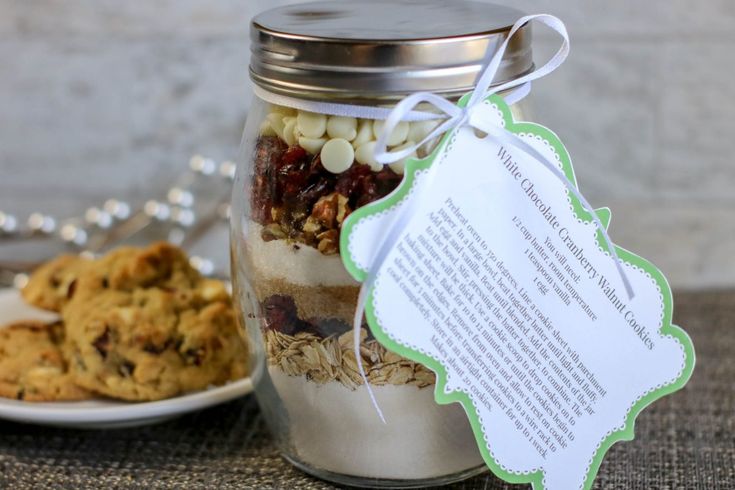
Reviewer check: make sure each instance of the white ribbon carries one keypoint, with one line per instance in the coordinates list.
(453, 117)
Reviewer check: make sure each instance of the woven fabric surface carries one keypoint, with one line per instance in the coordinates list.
(685, 441)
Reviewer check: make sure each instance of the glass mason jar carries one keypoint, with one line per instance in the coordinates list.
(299, 177)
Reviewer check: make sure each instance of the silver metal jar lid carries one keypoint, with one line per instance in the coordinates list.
(383, 49)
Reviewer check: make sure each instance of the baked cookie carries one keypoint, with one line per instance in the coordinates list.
(51, 285)
(161, 264)
(32, 367)
(156, 338)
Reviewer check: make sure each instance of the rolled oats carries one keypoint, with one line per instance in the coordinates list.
(333, 359)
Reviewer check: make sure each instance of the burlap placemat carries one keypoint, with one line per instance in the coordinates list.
(685, 441)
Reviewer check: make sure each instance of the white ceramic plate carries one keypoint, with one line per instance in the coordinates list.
(102, 413)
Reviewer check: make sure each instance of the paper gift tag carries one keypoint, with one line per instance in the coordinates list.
(501, 284)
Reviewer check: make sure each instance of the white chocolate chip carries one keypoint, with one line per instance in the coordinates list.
(342, 127)
(421, 129)
(337, 155)
(312, 145)
(399, 166)
(312, 125)
(276, 121)
(365, 154)
(398, 135)
(266, 129)
(283, 110)
(364, 133)
(288, 131)
(126, 314)
(296, 133)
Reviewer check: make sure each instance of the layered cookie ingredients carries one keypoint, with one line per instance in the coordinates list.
(309, 173)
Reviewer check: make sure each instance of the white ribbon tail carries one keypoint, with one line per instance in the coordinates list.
(482, 90)
(389, 239)
(357, 326)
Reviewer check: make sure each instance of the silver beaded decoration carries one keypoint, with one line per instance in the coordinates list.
(74, 234)
(180, 216)
(118, 209)
(98, 217)
(180, 197)
(183, 216)
(157, 210)
(227, 169)
(203, 166)
(203, 265)
(8, 224)
(41, 224)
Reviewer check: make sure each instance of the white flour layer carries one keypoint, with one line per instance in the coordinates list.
(337, 429)
(306, 266)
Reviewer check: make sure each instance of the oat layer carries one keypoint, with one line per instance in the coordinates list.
(333, 359)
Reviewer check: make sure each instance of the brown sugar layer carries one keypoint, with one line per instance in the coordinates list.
(335, 302)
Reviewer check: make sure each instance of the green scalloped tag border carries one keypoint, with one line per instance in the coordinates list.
(627, 433)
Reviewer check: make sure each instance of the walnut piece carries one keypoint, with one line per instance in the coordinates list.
(272, 232)
(328, 242)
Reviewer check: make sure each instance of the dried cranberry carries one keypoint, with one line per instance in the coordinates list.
(368, 192)
(102, 343)
(324, 327)
(387, 180)
(310, 194)
(126, 368)
(294, 155)
(350, 181)
(281, 314)
(269, 151)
